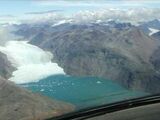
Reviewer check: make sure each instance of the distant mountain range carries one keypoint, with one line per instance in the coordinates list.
(118, 51)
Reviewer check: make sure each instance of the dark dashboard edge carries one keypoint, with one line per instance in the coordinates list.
(108, 108)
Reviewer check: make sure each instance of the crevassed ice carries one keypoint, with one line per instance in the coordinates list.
(32, 63)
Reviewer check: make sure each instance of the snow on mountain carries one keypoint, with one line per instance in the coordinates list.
(62, 22)
(153, 31)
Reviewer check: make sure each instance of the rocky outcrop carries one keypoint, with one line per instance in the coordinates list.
(156, 36)
(19, 104)
(6, 68)
(118, 53)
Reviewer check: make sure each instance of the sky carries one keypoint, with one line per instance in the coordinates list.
(11, 10)
(17, 7)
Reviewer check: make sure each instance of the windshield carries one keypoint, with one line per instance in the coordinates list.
(61, 56)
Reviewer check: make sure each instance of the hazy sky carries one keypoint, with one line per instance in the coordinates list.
(17, 7)
(14, 9)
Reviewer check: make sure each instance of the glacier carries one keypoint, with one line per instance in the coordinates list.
(32, 63)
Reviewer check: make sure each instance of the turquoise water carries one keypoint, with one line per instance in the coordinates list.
(82, 91)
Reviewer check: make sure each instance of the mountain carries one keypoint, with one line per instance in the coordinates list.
(116, 51)
(152, 28)
(19, 104)
(156, 35)
(6, 68)
(147, 27)
(153, 24)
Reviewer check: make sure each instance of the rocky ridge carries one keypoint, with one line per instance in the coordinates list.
(120, 52)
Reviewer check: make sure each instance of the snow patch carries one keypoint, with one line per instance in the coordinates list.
(62, 22)
(153, 31)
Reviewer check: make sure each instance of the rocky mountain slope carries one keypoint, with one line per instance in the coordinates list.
(6, 68)
(120, 52)
(156, 36)
(153, 24)
(19, 104)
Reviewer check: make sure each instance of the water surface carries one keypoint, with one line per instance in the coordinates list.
(82, 91)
